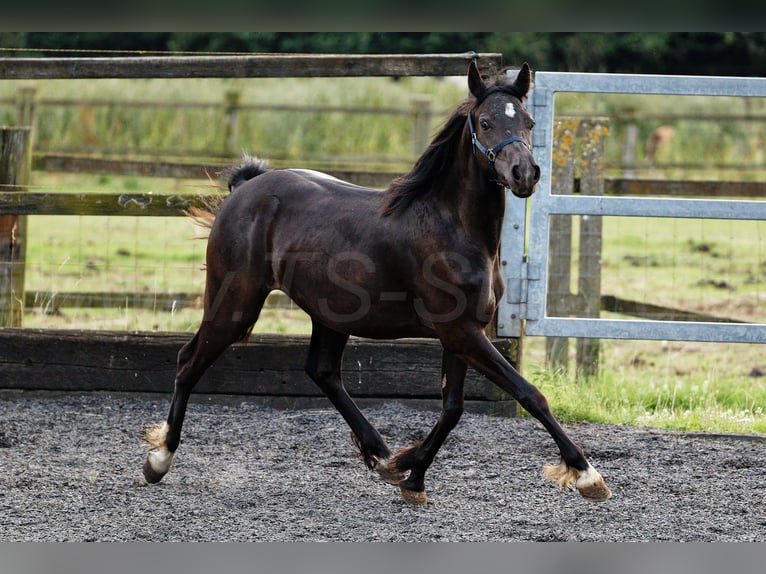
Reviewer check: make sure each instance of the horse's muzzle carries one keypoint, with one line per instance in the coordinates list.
(523, 178)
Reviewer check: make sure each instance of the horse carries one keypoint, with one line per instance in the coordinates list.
(417, 260)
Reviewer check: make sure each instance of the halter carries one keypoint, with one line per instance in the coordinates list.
(491, 154)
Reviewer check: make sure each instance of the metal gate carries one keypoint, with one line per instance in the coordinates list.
(525, 270)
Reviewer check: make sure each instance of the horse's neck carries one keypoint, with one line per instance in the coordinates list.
(481, 208)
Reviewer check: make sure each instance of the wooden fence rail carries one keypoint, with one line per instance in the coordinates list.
(268, 367)
(249, 66)
(175, 205)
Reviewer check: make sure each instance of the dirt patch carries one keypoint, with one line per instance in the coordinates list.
(246, 472)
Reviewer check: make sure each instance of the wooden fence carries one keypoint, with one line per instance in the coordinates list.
(270, 368)
(15, 151)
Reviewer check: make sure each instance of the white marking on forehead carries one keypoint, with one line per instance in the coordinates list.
(510, 109)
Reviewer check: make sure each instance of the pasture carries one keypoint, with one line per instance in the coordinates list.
(712, 267)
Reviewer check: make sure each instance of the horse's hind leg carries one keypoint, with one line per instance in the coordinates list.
(417, 459)
(225, 322)
(324, 367)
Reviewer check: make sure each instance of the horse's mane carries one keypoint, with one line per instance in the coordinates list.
(435, 166)
(431, 169)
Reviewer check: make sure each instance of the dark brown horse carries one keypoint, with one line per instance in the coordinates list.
(417, 260)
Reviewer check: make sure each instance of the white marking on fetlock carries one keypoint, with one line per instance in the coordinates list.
(160, 459)
(587, 477)
(388, 471)
(155, 435)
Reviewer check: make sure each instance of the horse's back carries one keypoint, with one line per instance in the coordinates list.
(288, 211)
(304, 189)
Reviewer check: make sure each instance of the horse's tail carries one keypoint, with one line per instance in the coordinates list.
(249, 168)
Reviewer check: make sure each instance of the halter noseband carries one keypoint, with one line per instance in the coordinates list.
(491, 154)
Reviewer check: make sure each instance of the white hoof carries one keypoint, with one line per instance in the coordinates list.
(160, 460)
(588, 482)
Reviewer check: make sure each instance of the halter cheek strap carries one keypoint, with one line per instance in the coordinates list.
(491, 154)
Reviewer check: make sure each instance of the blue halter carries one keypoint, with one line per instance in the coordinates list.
(491, 154)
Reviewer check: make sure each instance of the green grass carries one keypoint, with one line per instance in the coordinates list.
(715, 267)
(686, 386)
(711, 266)
(73, 253)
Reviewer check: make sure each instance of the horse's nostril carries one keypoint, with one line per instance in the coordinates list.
(516, 173)
(537, 173)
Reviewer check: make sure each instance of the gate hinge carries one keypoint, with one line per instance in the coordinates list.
(516, 299)
(517, 294)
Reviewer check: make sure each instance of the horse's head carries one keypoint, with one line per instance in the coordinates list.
(501, 129)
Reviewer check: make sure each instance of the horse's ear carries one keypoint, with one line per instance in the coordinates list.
(475, 84)
(523, 79)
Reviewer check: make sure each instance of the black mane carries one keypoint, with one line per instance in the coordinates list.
(435, 166)
(432, 168)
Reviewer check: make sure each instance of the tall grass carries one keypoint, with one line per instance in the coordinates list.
(280, 134)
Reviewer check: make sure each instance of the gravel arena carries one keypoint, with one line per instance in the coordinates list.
(248, 472)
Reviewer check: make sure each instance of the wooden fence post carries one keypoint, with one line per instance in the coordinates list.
(578, 150)
(26, 104)
(231, 121)
(15, 164)
(560, 243)
(421, 124)
(630, 144)
(593, 133)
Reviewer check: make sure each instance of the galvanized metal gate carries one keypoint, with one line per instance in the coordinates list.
(525, 261)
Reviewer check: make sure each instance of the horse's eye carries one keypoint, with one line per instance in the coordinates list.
(484, 124)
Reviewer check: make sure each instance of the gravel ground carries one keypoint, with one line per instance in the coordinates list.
(71, 471)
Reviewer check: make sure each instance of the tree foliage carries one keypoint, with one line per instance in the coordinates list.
(701, 53)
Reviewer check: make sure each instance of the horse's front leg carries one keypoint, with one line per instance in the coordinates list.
(417, 459)
(472, 345)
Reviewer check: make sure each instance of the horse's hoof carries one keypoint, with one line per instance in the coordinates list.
(414, 497)
(588, 482)
(591, 486)
(151, 475)
(596, 492)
